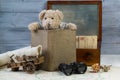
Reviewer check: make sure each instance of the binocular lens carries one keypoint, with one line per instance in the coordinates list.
(77, 68)
(66, 69)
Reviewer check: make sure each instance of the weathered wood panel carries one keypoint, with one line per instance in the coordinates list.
(111, 27)
(22, 6)
(110, 49)
(18, 20)
(15, 15)
(111, 35)
(111, 12)
(111, 19)
(9, 47)
(23, 0)
(14, 38)
(111, 40)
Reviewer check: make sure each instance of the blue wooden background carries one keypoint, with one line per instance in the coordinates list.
(15, 15)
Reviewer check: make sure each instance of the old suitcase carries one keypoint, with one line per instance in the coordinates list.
(87, 15)
(58, 47)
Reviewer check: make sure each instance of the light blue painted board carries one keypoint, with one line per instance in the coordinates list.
(111, 27)
(17, 20)
(110, 49)
(11, 7)
(111, 19)
(111, 35)
(9, 47)
(111, 13)
(15, 36)
(110, 5)
(23, 1)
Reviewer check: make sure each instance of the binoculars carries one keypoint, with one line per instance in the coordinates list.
(73, 68)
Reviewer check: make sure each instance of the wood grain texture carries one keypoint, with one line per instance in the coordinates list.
(111, 35)
(111, 27)
(15, 15)
(109, 49)
(21, 36)
(9, 7)
(111, 13)
(11, 39)
(89, 56)
(23, 0)
(17, 20)
(9, 47)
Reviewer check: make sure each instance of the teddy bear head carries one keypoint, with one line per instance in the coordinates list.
(51, 19)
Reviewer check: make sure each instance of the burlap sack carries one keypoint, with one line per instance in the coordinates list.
(58, 47)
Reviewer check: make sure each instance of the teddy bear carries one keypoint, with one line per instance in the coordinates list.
(51, 20)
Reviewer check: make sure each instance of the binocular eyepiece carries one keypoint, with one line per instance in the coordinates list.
(73, 68)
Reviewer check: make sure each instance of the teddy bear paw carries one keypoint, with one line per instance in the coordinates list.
(72, 26)
(33, 26)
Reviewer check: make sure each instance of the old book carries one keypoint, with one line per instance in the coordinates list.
(88, 42)
(77, 41)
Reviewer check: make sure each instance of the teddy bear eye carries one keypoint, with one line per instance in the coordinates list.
(45, 18)
(52, 18)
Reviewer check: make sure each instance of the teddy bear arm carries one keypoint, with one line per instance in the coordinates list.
(34, 26)
(63, 25)
(71, 26)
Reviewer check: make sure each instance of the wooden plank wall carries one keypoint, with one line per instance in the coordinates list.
(15, 15)
(111, 27)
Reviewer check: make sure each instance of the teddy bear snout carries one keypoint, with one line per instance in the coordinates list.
(47, 24)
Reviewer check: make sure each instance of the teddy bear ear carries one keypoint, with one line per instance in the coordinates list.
(60, 14)
(42, 13)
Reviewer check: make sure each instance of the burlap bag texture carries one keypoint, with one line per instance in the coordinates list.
(58, 47)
